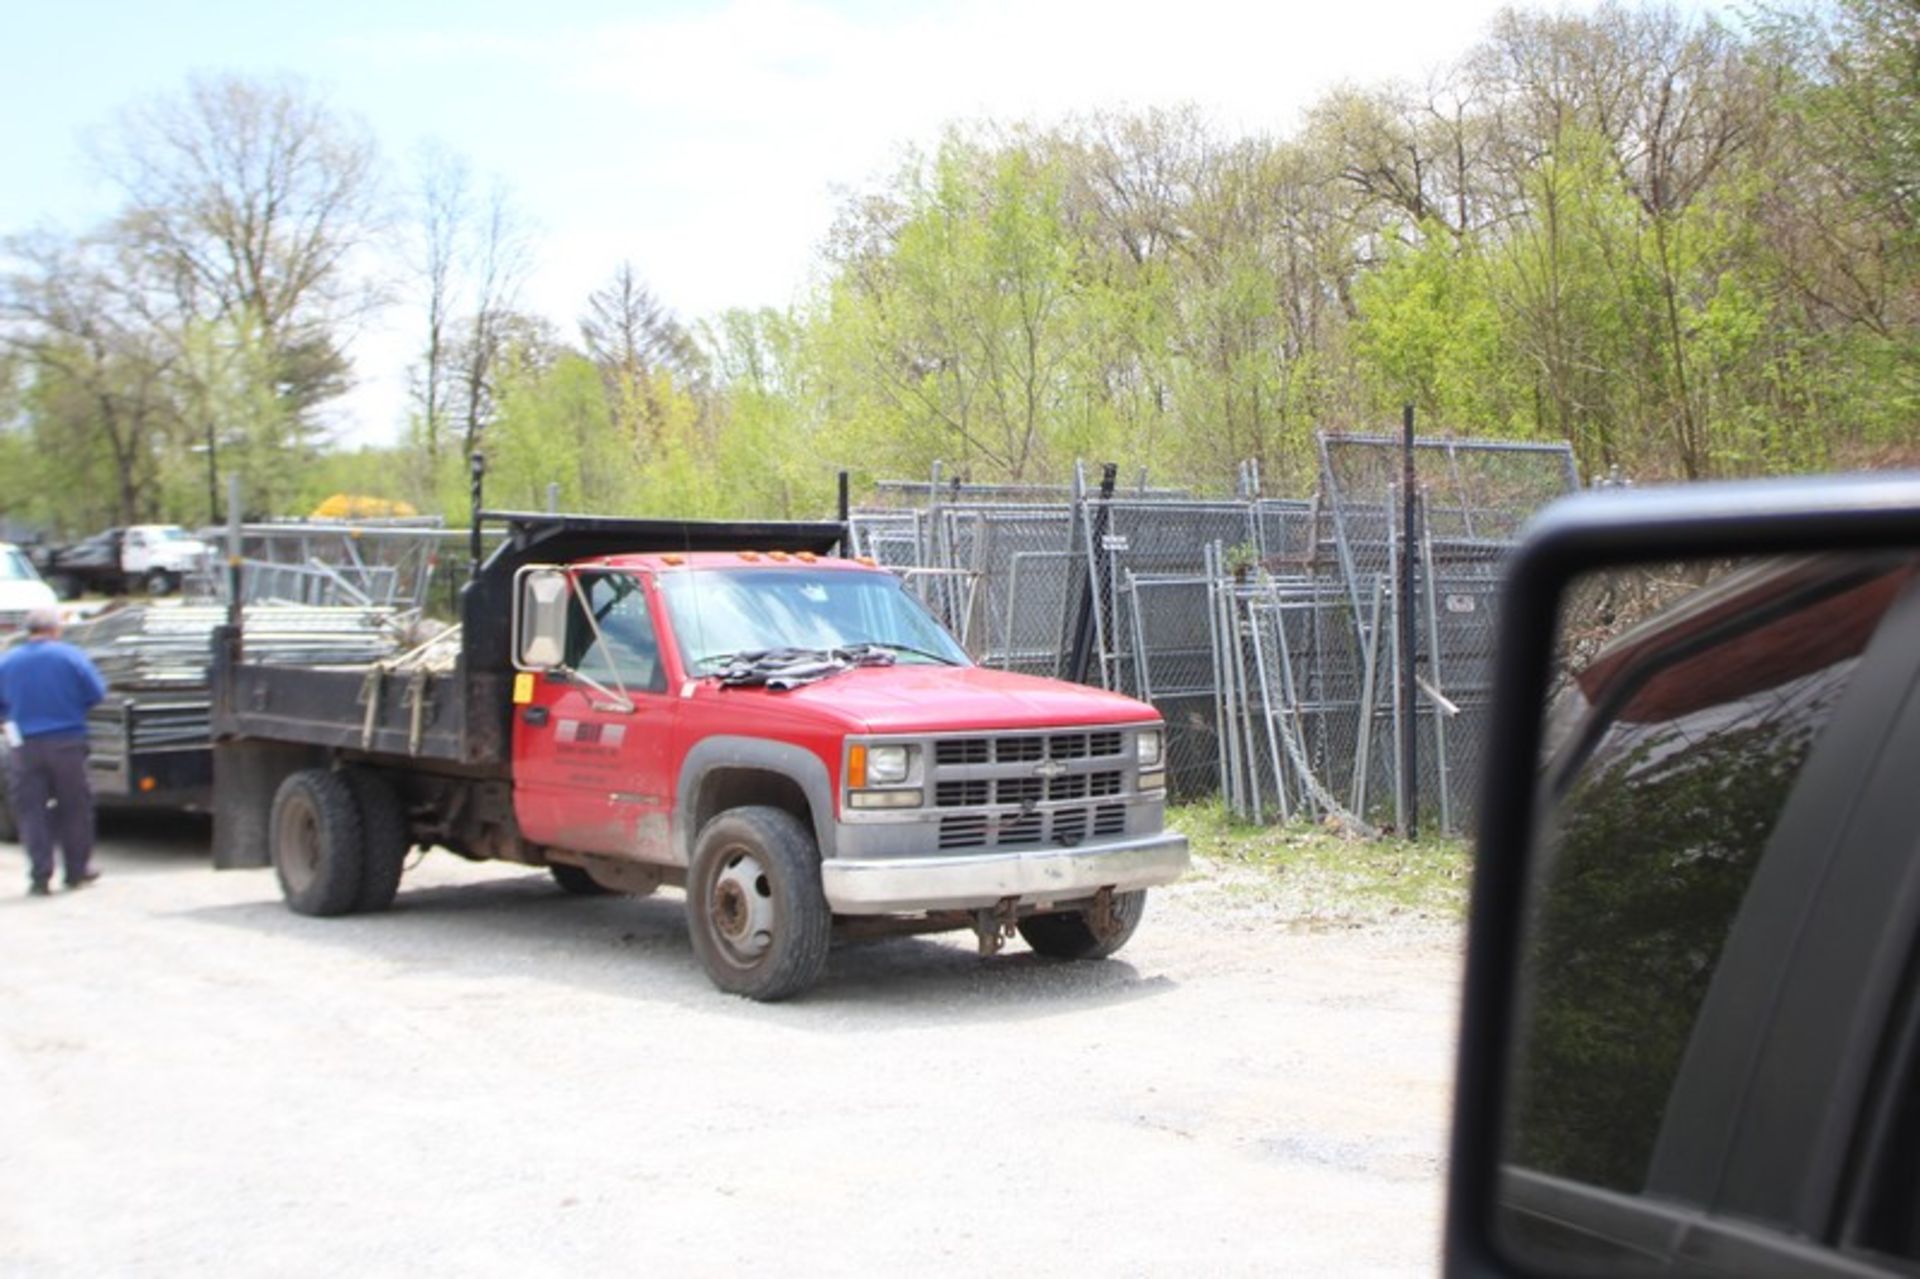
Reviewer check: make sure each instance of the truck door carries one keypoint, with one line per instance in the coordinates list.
(592, 749)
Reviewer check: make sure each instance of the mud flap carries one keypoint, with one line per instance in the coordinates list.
(246, 773)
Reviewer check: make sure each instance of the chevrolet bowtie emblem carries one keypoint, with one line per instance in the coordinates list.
(1049, 768)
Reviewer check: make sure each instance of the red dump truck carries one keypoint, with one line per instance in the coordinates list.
(732, 708)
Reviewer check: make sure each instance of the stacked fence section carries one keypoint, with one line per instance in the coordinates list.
(1267, 631)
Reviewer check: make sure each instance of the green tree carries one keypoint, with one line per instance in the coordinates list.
(251, 196)
(949, 329)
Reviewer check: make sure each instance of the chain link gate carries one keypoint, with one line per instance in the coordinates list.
(1264, 630)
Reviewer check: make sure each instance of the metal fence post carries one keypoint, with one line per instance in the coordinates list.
(1409, 789)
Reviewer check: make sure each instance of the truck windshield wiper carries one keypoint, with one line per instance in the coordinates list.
(783, 668)
(888, 646)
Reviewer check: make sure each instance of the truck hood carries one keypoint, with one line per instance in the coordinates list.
(947, 699)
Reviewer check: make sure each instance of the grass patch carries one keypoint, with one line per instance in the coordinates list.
(1320, 874)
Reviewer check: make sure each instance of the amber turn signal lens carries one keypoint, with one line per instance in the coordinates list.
(856, 768)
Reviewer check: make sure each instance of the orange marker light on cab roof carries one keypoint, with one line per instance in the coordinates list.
(674, 560)
(868, 560)
(751, 557)
(778, 557)
(806, 557)
(856, 767)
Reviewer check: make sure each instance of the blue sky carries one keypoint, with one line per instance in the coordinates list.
(706, 142)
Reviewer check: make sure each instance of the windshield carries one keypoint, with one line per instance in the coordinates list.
(167, 533)
(721, 615)
(14, 566)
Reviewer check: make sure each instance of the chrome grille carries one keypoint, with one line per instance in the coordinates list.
(1019, 750)
(1020, 790)
(963, 750)
(967, 794)
(964, 830)
(1027, 828)
(1029, 748)
(1066, 826)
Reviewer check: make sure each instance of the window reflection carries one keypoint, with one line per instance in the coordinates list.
(1675, 746)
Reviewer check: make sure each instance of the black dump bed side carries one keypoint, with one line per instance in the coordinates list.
(463, 717)
(413, 713)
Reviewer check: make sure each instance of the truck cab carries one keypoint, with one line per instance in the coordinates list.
(160, 556)
(786, 734)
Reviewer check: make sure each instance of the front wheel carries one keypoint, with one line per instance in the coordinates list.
(1093, 933)
(755, 908)
(161, 582)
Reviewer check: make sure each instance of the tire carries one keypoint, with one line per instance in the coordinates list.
(318, 852)
(755, 909)
(578, 882)
(384, 840)
(1070, 934)
(161, 582)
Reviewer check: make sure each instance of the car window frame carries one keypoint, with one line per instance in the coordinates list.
(594, 634)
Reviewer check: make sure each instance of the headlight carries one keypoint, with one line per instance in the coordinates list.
(888, 765)
(1147, 748)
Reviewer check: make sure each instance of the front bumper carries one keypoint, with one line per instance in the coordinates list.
(1031, 876)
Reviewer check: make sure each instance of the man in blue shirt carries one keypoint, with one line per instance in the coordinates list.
(46, 689)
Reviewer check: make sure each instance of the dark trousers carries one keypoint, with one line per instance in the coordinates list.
(53, 769)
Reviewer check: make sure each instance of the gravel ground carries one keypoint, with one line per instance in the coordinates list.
(495, 1078)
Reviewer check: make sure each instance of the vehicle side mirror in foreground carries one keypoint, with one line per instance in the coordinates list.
(540, 598)
(1692, 1011)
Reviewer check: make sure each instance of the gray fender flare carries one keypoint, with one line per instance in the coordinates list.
(796, 763)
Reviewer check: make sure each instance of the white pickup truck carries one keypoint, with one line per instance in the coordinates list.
(153, 557)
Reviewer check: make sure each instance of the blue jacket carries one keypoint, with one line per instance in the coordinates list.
(46, 688)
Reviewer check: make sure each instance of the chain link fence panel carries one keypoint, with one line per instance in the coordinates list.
(1265, 630)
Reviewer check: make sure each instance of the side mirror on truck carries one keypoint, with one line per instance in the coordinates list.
(540, 595)
(1692, 1013)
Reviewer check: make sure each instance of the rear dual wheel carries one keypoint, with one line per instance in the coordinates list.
(385, 841)
(339, 841)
